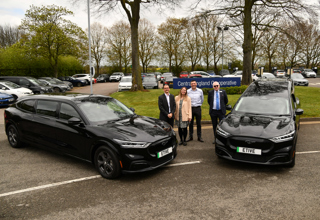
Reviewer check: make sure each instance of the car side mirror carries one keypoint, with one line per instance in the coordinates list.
(299, 111)
(228, 107)
(132, 109)
(297, 101)
(74, 121)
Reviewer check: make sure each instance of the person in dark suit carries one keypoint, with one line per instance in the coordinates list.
(167, 105)
(217, 100)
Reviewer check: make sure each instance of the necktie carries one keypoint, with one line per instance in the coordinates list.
(217, 100)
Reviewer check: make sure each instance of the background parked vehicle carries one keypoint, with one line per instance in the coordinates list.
(235, 74)
(116, 76)
(125, 83)
(13, 89)
(84, 76)
(211, 72)
(150, 82)
(280, 73)
(164, 75)
(6, 99)
(202, 73)
(116, 140)
(307, 73)
(184, 74)
(169, 81)
(28, 82)
(57, 86)
(265, 75)
(103, 78)
(195, 76)
(74, 81)
(158, 74)
(299, 80)
(224, 72)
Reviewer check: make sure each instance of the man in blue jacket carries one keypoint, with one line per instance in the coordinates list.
(217, 100)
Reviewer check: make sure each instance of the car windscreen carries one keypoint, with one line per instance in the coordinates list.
(297, 76)
(36, 82)
(11, 85)
(264, 104)
(100, 110)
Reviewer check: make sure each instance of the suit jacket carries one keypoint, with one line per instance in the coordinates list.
(185, 110)
(223, 100)
(164, 108)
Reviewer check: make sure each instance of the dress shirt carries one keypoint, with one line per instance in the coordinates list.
(168, 101)
(216, 97)
(196, 97)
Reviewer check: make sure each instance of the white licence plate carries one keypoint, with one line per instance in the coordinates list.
(164, 152)
(245, 150)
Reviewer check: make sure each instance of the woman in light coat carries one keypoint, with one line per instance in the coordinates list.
(183, 114)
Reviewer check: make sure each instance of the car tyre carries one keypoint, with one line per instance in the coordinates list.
(79, 84)
(56, 90)
(13, 136)
(107, 163)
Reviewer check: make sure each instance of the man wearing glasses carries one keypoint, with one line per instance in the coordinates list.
(217, 100)
(196, 96)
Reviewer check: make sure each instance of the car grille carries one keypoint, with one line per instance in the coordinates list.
(155, 147)
(257, 143)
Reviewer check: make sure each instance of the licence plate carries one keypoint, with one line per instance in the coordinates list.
(164, 152)
(245, 150)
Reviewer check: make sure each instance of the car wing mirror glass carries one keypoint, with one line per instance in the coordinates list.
(299, 111)
(132, 109)
(228, 107)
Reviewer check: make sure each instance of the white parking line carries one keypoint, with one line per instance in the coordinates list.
(77, 180)
(308, 152)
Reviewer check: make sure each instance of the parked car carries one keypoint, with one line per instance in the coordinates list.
(28, 82)
(116, 76)
(125, 83)
(202, 73)
(299, 80)
(224, 72)
(56, 86)
(103, 78)
(195, 76)
(164, 75)
(94, 128)
(262, 128)
(13, 89)
(184, 74)
(308, 73)
(280, 73)
(74, 81)
(6, 99)
(265, 75)
(86, 77)
(158, 74)
(150, 82)
(235, 74)
(211, 72)
(169, 81)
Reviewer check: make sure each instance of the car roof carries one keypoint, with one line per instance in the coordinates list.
(66, 97)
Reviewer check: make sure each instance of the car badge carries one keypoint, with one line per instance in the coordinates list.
(164, 143)
(250, 142)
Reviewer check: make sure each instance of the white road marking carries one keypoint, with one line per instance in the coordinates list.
(308, 152)
(77, 180)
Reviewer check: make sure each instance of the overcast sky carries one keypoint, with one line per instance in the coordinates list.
(13, 11)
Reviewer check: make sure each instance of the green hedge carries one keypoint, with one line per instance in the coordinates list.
(230, 90)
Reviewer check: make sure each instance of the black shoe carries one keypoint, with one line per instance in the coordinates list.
(181, 142)
(189, 139)
(200, 139)
(184, 143)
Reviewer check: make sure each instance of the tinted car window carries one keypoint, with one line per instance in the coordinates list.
(24, 82)
(47, 108)
(67, 112)
(27, 105)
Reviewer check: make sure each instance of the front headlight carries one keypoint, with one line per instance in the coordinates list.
(132, 144)
(222, 132)
(282, 138)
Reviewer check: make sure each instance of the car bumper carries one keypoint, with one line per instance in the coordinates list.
(271, 153)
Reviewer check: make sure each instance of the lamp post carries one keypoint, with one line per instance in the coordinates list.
(225, 28)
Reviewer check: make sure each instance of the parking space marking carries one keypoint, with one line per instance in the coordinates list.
(78, 180)
(182, 164)
(49, 185)
(308, 152)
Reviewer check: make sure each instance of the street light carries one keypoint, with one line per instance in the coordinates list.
(225, 28)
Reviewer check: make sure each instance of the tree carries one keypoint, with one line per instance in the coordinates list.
(147, 43)
(132, 10)
(49, 35)
(119, 45)
(234, 8)
(9, 35)
(193, 43)
(98, 43)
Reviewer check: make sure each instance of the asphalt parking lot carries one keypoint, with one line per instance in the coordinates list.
(36, 184)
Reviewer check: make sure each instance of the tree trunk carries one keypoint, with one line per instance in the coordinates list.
(247, 43)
